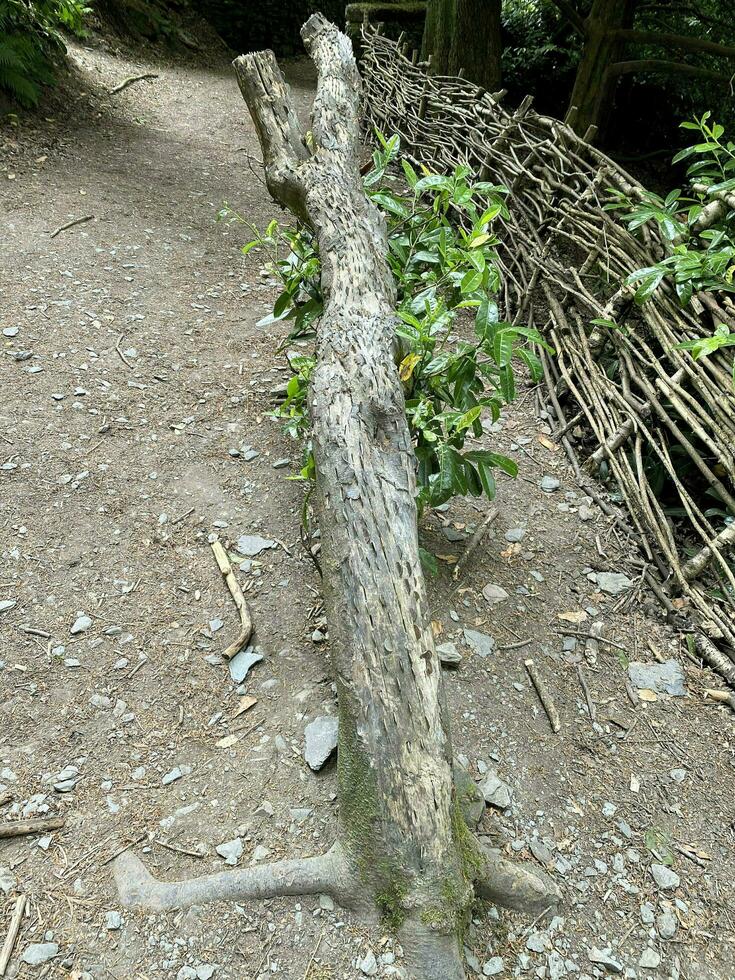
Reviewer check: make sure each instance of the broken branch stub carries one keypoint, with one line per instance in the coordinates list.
(402, 850)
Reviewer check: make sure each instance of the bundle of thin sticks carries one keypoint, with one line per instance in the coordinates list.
(650, 413)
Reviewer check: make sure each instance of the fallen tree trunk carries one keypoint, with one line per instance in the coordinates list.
(403, 851)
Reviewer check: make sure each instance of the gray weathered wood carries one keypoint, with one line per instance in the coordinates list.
(403, 850)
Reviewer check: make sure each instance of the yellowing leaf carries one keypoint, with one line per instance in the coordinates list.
(646, 695)
(547, 443)
(246, 703)
(437, 628)
(407, 365)
(573, 617)
(480, 240)
(449, 559)
(227, 742)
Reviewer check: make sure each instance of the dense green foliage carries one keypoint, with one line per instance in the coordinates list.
(700, 258)
(30, 41)
(442, 255)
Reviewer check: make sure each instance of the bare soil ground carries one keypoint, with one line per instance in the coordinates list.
(132, 366)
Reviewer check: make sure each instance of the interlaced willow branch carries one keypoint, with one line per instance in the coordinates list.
(565, 261)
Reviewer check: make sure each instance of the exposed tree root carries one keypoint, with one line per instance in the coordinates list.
(515, 886)
(327, 874)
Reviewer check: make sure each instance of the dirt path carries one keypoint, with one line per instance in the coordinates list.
(133, 372)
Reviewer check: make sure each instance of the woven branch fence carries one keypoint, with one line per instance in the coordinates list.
(642, 405)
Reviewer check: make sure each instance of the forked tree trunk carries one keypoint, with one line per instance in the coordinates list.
(403, 851)
(465, 34)
(594, 84)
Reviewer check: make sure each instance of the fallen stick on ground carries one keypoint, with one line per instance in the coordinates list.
(233, 585)
(474, 542)
(123, 358)
(544, 697)
(131, 81)
(5, 798)
(723, 697)
(21, 828)
(591, 710)
(592, 643)
(71, 224)
(12, 936)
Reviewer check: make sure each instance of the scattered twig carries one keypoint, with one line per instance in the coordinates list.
(544, 696)
(182, 517)
(313, 955)
(591, 709)
(233, 585)
(5, 797)
(516, 646)
(123, 358)
(178, 850)
(722, 697)
(12, 936)
(121, 850)
(131, 81)
(21, 828)
(71, 224)
(307, 548)
(591, 636)
(32, 631)
(474, 542)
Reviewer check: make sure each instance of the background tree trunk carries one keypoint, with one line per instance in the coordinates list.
(465, 34)
(594, 87)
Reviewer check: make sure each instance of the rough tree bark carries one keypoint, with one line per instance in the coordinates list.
(403, 851)
(593, 85)
(465, 34)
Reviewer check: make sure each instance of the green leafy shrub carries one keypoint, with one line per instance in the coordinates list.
(30, 40)
(442, 256)
(700, 258)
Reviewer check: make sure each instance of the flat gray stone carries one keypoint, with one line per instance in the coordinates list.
(538, 942)
(494, 594)
(665, 878)
(549, 484)
(252, 544)
(113, 920)
(496, 792)
(7, 604)
(81, 625)
(231, 851)
(66, 779)
(494, 966)
(480, 643)
(449, 655)
(613, 582)
(38, 953)
(320, 740)
(667, 924)
(368, 964)
(513, 535)
(8, 881)
(665, 678)
(205, 971)
(604, 957)
(242, 662)
(650, 959)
